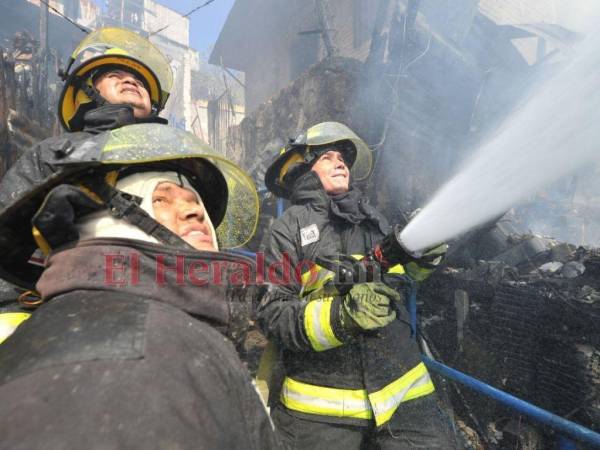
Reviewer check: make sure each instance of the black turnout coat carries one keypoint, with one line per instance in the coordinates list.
(115, 358)
(312, 228)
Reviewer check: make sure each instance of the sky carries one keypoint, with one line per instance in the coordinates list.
(205, 23)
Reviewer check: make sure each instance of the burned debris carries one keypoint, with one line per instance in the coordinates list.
(525, 320)
(25, 115)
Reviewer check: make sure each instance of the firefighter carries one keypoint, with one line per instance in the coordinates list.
(127, 349)
(353, 374)
(113, 78)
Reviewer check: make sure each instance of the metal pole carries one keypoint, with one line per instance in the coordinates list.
(324, 30)
(42, 86)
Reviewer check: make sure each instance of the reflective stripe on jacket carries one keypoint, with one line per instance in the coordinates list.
(9, 322)
(357, 403)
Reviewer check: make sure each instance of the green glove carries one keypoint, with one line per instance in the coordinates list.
(367, 307)
(419, 270)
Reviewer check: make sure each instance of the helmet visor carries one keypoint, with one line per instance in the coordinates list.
(150, 143)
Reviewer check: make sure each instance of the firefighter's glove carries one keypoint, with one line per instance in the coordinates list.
(368, 306)
(434, 256)
(422, 267)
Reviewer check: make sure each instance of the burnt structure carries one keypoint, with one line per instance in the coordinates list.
(517, 311)
(24, 118)
(526, 320)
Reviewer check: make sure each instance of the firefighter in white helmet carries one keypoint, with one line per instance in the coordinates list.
(129, 347)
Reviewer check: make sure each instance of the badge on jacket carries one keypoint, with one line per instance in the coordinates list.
(309, 234)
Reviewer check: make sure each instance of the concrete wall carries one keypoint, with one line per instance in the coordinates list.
(286, 51)
(157, 16)
(325, 92)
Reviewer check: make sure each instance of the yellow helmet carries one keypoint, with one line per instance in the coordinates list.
(303, 152)
(111, 47)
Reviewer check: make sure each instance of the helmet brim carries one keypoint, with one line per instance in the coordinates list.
(228, 193)
(275, 173)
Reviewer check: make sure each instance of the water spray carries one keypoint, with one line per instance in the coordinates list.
(555, 132)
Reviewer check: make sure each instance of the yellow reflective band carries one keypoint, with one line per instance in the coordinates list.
(397, 269)
(321, 277)
(325, 401)
(317, 323)
(116, 51)
(312, 399)
(9, 323)
(414, 384)
(306, 276)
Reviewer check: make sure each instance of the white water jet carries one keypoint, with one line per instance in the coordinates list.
(553, 134)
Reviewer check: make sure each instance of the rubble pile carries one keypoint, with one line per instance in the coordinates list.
(525, 320)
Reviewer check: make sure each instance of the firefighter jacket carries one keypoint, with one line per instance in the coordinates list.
(332, 376)
(125, 353)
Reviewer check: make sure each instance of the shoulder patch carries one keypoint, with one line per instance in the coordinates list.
(309, 234)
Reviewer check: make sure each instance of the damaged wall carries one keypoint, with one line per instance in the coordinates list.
(325, 93)
(419, 100)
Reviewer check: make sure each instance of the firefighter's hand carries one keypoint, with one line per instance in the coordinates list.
(368, 306)
(422, 267)
(435, 255)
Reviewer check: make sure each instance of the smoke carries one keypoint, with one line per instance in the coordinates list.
(580, 16)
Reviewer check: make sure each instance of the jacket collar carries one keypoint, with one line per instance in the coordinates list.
(110, 117)
(199, 283)
(309, 189)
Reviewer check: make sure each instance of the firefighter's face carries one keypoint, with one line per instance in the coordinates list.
(333, 172)
(121, 87)
(181, 212)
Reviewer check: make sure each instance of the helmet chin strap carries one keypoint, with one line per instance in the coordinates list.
(91, 92)
(127, 207)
